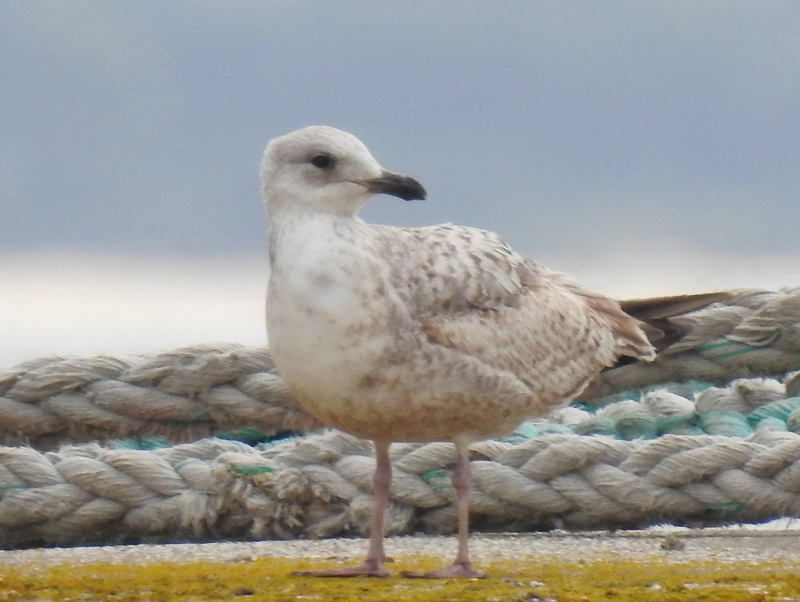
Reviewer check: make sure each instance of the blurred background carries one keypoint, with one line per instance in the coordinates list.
(645, 148)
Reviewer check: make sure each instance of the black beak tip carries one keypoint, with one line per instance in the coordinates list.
(403, 187)
(416, 192)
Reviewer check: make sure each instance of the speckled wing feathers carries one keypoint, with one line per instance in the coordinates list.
(447, 268)
(471, 292)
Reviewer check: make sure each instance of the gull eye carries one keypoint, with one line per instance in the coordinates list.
(322, 161)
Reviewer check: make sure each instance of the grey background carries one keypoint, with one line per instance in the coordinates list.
(644, 147)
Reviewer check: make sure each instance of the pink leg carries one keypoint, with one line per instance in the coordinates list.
(373, 565)
(462, 479)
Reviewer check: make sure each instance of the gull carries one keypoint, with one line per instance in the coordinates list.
(423, 334)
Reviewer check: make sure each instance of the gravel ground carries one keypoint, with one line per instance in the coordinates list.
(755, 544)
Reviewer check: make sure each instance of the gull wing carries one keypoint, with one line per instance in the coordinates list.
(469, 291)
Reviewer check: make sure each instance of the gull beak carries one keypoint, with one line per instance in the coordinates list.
(395, 184)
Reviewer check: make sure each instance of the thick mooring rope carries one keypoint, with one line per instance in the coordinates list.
(183, 395)
(688, 453)
(756, 333)
(321, 486)
(198, 391)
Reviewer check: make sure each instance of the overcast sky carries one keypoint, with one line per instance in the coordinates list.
(644, 147)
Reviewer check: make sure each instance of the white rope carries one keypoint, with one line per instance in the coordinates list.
(320, 485)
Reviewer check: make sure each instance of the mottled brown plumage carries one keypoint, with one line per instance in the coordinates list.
(418, 334)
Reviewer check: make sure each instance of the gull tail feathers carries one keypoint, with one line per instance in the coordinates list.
(666, 320)
(632, 341)
(656, 308)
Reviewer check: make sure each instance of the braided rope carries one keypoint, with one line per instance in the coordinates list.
(183, 395)
(320, 485)
(198, 391)
(756, 333)
(542, 476)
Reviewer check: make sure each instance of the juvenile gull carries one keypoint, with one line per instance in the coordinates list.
(419, 334)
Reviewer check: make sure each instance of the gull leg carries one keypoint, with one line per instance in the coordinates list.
(462, 567)
(373, 565)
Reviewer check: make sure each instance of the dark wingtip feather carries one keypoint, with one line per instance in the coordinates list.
(664, 320)
(657, 308)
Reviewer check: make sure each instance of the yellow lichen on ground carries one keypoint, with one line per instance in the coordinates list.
(527, 579)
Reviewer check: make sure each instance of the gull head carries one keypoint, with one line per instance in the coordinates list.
(325, 170)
